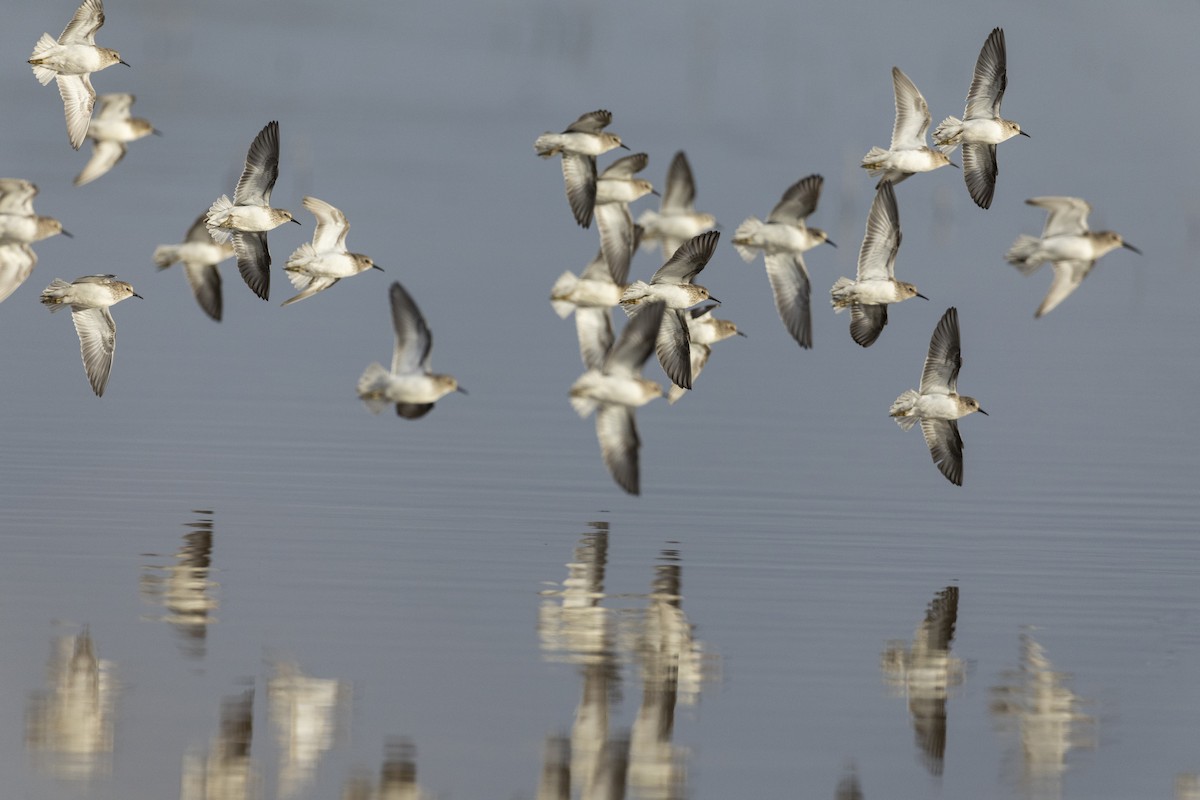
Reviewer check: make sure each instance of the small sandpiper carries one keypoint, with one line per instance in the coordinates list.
(111, 129)
(676, 220)
(783, 239)
(579, 144)
(199, 255)
(704, 330)
(982, 127)
(317, 266)
(908, 152)
(938, 404)
(616, 188)
(876, 287)
(71, 59)
(89, 298)
(1066, 243)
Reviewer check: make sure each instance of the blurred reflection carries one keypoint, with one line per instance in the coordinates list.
(848, 788)
(575, 626)
(397, 778)
(924, 672)
(183, 587)
(225, 772)
(1187, 786)
(1046, 714)
(305, 712)
(69, 725)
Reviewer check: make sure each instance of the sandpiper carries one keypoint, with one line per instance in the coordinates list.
(199, 255)
(783, 239)
(616, 188)
(937, 404)
(410, 384)
(89, 298)
(71, 59)
(704, 330)
(317, 266)
(247, 218)
(111, 129)
(876, 287)
(982, 127)
(676, 220)
(17, 261)
(1066, 243)
(908, 152)
(590, 296)
(579, 144)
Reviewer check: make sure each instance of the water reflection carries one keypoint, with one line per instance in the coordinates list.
(184, 588)
(574, 625)
(848, 788)
(924, 671)
(69, 724)
(1187, 786)
(1047, 717)
(397, 778)
(225, 772)
(306, 713)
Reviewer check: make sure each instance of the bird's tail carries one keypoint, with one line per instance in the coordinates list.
(648, 222)
(215, 216)
(840, 294)
(371, 385)
(635, 294)
(43, 74)
(561, 290)
(1023, 253)
(545, 146)
(165, 255)
(902, 409)
(873, 161)
(52, 295)
(744, 234)
(947, 135)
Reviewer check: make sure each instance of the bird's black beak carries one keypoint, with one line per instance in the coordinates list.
(715, 300)
(122, 61)
(376, 266)
(981, 411)
(624, 146)
(831, 242)
(67, 233)
(1126, 245)
(923, 297)
(156, 131)
(742, 334)
(295, 220)
(1026, 135)
(655, 193)
(138, 296)
(461, 390)
(951, 163)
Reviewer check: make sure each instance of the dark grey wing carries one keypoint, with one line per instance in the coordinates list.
(798, 201)
(254, 261)
(792, 289)
(591, 122)
(262, 168)
(688, 260)
(413, 339)
(616, 239)
(199, 230)
(413, 410)
(680, 192)
(579, 175)
(616, 430)
(944, 360)
(866, 323)
(877, 256)
(205, 281)
(673, 346)
(979, 171)
(636, 341)
(626, 167)
(946, 446)
(940, 619)
(990, 80)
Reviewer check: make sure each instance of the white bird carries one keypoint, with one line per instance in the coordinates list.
(876, 287)
(89, 298)
(200, 256)
(672, 284)
(410, 384)
(16, 196)
(248, 217)
(783, 239)
(908, 152)
(111, 129)
(613, 388)
(937, 404)
(676, 220)
(579, 144)
(16, 263)
(982, 127)
(71, 59)
(704, 330)
(1066, 243)
(616, 188)
(315, 267)
(18, 223)
(590, 296)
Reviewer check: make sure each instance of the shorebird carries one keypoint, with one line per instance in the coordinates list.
(982, 127)
(89, 298)
(199, 255)
(783, 239)
(590, 296)
(616, 188)
(71, 59)
(876, 287)
(579, 144)
(315, 267)
(111, 129)
(1066, 243)
(704, 330)
(937, 404)
(676, 220)
(908, 152)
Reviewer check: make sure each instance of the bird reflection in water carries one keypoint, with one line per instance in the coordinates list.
(69, 724)
(576, 627)
(848, 788)
(924, 671)
(225, 772)
(397, 778)
(306, 713)
(184, 588)
(1047, 716)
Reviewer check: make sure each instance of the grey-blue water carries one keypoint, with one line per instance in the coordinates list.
(175, 556)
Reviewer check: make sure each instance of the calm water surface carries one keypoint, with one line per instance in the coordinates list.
(227, 579)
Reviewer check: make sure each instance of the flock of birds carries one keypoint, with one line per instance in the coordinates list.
(231, 227)
(666, 317)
